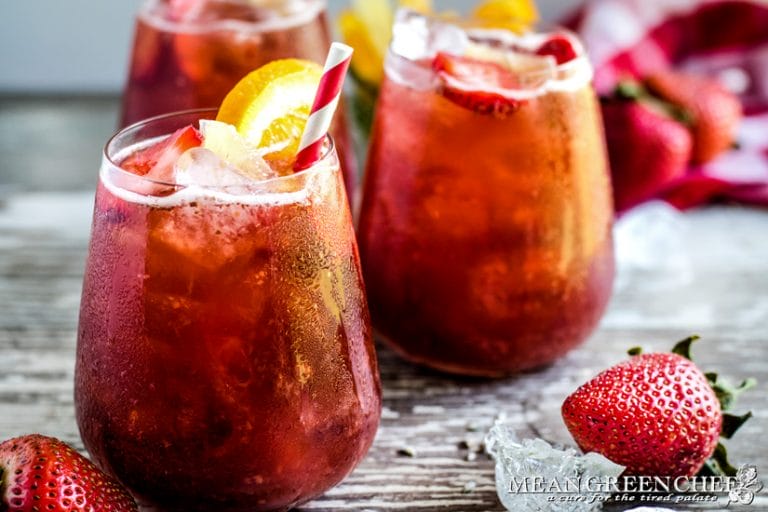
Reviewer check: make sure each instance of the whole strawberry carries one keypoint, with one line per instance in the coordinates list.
(647, 148)
(712, 111)
(39, 473)
(656, 414)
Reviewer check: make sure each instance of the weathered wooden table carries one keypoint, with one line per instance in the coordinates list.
(714, 282)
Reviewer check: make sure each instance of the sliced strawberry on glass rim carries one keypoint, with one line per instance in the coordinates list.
(476, 84)
(474, 71)
(156, 162)
(560, 47)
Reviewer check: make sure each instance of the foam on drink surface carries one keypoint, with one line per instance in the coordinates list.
(201, 175)
(417, 39)
(241, 15)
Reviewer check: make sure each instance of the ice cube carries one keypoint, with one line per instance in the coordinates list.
(225, 141)
(531, 70)
(650, 248)
(201, 166)
(519, 464)
(416, 37)
(447, 38)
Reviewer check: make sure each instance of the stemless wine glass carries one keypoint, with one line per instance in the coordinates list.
(224, 357)
(190, 53)
(485, 226)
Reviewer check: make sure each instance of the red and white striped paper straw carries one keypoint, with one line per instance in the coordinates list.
(324, 106)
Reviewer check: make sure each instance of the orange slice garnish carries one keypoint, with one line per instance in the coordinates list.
(270, 106)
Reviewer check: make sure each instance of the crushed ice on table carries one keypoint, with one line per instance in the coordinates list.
(519, 461)
(650, 248)
(201, 166)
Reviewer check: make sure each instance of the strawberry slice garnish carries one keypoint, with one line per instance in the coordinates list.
(471, 83)
(559, 47)
(156, 162)
(475, 71)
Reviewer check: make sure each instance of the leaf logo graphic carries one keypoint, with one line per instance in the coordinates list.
(747, 485)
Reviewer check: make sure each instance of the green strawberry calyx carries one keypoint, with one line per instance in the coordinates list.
(632, 90)
(717, 464)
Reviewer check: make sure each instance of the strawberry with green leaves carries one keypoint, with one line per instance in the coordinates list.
(711, 112)
(649, 148)
(39, 473)
(656, 414)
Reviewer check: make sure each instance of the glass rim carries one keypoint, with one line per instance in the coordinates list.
(283, 22)
(107, 154)
(469, 29)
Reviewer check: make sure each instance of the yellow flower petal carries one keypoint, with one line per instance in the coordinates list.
(422, 6)
(515, 15)
(377, 17)
(367, 62)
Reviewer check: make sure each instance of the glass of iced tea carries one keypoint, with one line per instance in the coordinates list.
(188, 54)
(485, 227)
(224, 357)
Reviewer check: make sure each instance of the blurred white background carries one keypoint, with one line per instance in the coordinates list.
(82, 46)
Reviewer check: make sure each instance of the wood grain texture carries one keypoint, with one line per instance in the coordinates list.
(425, 457)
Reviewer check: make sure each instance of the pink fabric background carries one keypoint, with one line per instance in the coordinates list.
(723, 39)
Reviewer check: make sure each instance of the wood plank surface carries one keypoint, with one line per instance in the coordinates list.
(426, 456)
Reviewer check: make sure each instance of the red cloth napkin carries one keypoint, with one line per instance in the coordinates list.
(724, 39)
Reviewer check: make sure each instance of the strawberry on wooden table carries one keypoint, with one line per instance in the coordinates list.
(657, 414)
(39, 473)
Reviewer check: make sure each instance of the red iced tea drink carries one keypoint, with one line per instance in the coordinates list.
(189, 53)
(485, 228)
(224, 354)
